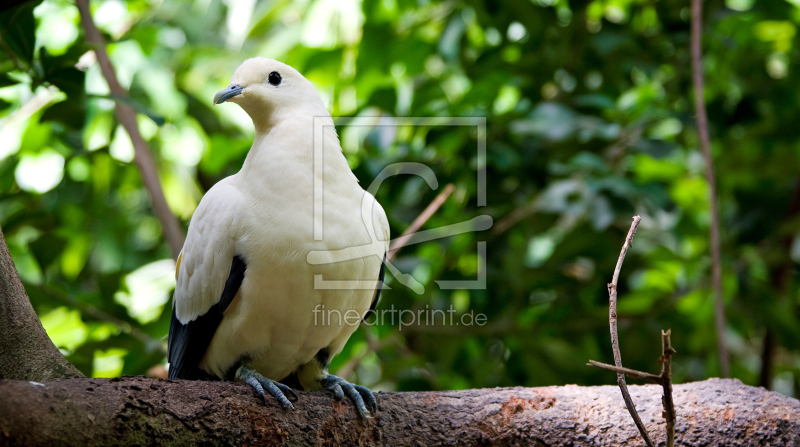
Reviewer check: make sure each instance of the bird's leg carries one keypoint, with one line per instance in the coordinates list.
(361, 396)
(248, 375)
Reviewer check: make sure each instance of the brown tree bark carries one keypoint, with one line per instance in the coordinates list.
(140, 411)
(26, 352)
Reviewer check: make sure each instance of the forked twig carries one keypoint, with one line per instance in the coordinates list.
(664, 379)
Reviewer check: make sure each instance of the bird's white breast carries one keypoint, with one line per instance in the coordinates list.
(272, 321)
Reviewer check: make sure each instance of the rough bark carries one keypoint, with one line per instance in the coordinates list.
(26, 352)
(140, 411)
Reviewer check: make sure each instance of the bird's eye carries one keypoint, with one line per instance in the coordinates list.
(274, 78)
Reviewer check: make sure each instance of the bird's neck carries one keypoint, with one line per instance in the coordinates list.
(285, 154)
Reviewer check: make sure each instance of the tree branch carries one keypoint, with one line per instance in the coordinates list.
(705, 147)
(127, 117)
(140, 411)
(515, 216)
(26, 352)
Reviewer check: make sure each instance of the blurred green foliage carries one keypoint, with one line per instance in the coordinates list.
(589, 121)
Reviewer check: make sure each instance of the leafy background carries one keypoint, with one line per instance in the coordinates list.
(589, 121)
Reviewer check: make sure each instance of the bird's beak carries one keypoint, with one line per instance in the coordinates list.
(228, 93)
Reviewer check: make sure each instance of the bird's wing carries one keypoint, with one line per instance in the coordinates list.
(377, 297)
(209, 274)
(381, 225)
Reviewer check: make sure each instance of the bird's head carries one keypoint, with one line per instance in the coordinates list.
(264, 87)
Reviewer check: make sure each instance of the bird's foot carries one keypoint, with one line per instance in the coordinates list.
(278, 390)
(360, 395)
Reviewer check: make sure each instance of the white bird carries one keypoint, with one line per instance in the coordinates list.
(246, 306)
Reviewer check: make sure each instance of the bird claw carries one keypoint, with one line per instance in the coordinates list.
(337, 391)
(278, 390)
(360, 395)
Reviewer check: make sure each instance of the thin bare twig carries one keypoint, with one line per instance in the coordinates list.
(127, 117)
(705, 147)
(515, 217)
(612, 320)
(632, 373)
(423, 217)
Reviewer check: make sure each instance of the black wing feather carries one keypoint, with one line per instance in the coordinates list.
(377, 290)
(188, 342)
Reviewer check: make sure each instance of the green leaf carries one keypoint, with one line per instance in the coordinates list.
(5, 81)
(61, 72)
(17, 28)
(68, 112)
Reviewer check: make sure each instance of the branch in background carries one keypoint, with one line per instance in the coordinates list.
(767, 360)
(515, 216)
(781, 278)
(664, 379)
(26, 352)
(705, 147)
(127, 117)
(423, 217)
